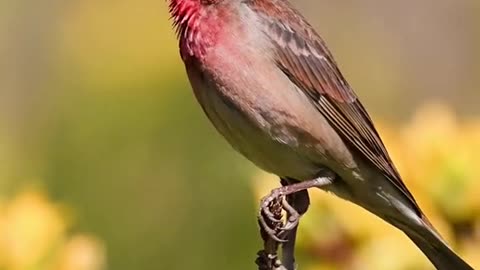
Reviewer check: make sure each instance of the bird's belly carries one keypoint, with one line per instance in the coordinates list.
(277, 154)
(271, 146)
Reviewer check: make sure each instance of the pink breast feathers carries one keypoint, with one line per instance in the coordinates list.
(197, 26)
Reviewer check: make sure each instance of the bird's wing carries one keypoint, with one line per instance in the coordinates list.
(305, 59)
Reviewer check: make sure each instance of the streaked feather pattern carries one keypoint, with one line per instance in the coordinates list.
(303, 56)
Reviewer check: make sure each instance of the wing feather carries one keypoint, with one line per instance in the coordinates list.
(303, 56)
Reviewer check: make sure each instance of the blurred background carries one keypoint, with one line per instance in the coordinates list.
(107, 162)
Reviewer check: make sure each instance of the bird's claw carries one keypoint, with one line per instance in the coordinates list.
(270, 216)
(293, 217)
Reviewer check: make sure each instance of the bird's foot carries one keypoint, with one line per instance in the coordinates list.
(270, 216)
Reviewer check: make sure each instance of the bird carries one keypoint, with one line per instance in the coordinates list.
(270, 86)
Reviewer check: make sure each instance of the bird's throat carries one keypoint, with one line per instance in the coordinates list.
(196, 27)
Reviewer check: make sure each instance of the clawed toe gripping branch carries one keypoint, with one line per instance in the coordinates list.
(292, 198)
(270, 222)
(270, 216)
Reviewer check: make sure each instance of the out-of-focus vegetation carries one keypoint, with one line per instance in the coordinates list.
(97, 115)
(437, 155)
(34, 234)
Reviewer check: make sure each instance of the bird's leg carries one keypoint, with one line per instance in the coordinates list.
(300, 202)
(293, 199)
(271, 221)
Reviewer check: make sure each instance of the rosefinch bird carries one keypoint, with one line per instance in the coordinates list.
(270, 86)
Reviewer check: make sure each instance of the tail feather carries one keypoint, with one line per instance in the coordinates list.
(437, 251)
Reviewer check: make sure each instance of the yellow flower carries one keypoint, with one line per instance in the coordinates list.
(394, 252)
(31, 228)
(82, 252)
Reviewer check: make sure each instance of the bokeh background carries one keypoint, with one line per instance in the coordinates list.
(107, 162)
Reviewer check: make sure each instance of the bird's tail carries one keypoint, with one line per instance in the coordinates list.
(437, 251)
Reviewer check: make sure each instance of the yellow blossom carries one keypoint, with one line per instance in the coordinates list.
(32, 227)
(82, 253)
